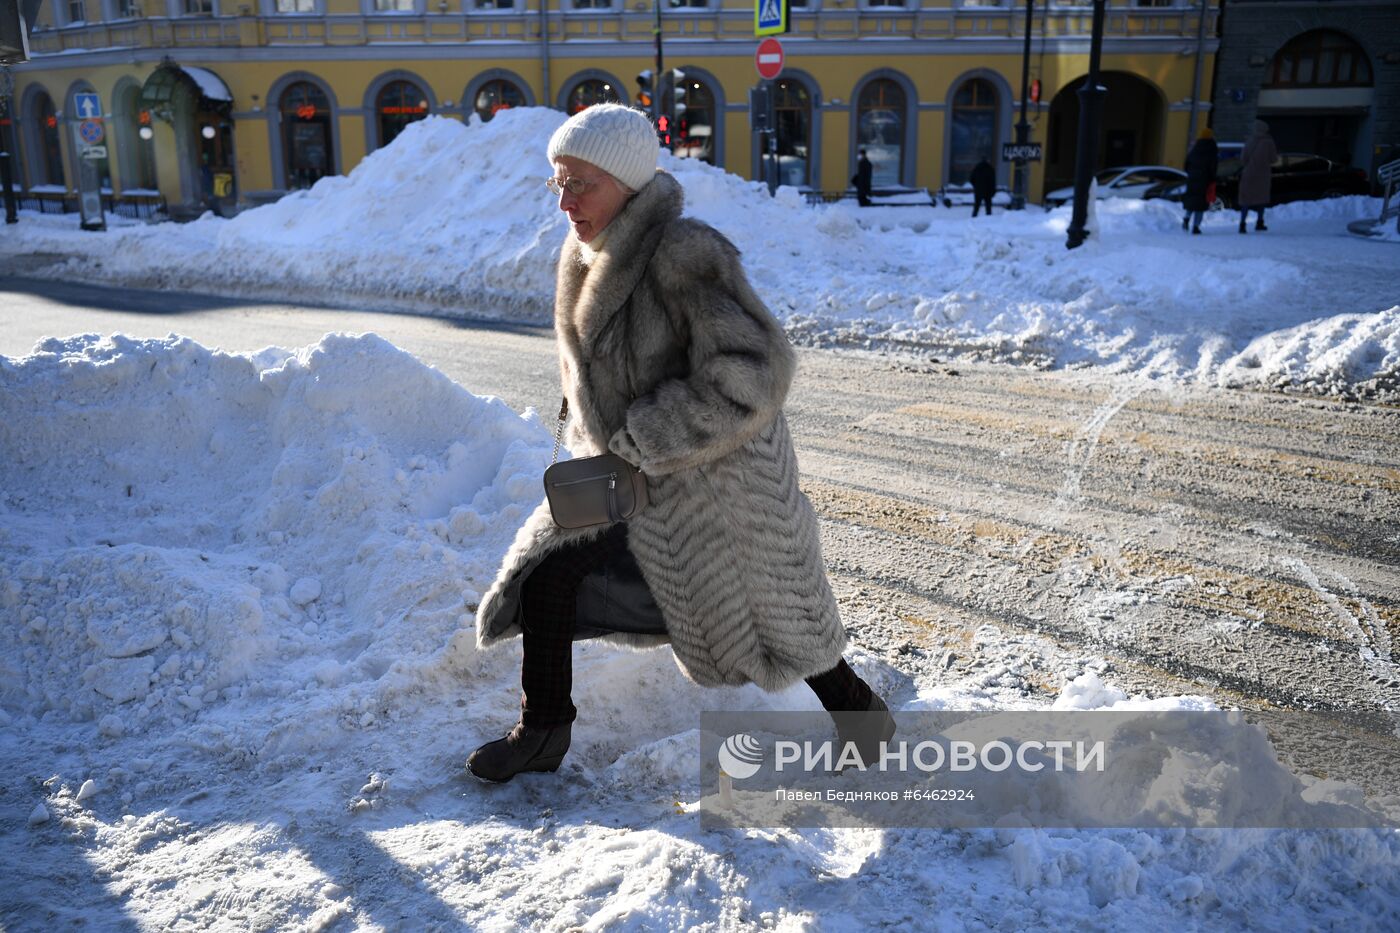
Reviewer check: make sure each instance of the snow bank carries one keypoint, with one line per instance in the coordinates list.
(177, 520)
(238, 680)
(453, 219)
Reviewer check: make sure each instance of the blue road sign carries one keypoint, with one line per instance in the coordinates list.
(769, 17)
(88, 105)
(91, 131)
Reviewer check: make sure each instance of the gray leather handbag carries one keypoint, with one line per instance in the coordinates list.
(590, 491)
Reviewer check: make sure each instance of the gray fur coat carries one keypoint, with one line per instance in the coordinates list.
(669, 358)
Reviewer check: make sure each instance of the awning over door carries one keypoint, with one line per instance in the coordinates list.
(209, 90)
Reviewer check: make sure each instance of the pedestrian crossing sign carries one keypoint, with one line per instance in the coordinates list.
(770, 17)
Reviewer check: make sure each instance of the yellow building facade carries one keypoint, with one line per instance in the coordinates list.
(239, 102)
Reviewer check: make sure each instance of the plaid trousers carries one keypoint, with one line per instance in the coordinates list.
(549, 600)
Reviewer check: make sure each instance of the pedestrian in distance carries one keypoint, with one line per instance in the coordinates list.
(863, 179)
(1201, 164)
(669, 360)
(1256, 175)
(984, 185)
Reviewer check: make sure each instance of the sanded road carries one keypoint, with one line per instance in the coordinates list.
(1243, 545)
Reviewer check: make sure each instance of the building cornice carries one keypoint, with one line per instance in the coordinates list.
(797, 50)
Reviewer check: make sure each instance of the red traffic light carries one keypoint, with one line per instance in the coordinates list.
(663, 123)
(1035, 91)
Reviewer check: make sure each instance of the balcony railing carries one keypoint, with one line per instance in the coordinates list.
(629, 25)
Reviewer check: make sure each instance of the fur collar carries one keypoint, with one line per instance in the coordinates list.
(590, 293)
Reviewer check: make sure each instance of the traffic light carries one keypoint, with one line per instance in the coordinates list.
(663, 129)
(677, 94)
(644, 89)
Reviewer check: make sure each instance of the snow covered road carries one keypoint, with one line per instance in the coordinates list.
(1235, 541)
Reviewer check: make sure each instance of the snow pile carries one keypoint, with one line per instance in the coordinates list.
(446, 218)
(239, 680)
(453, 219)
(177, 520)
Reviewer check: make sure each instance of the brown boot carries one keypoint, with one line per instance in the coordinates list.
(866, 729)
(522, 749)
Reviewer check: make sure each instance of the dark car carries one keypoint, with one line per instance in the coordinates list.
(1297, 177)
(1174, 190)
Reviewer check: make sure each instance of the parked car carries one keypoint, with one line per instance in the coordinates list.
(1173, 190)
(1298, 176)
(961, 196)
(1123, 182)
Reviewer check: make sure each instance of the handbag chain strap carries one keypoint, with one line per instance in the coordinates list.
(559, 429)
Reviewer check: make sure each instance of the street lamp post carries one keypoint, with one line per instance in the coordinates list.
(1091, 97)
(1023, 129)
(7, 135)
(656, 110)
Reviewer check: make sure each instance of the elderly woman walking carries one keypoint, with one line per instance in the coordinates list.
(668, 359)
(1256, 176)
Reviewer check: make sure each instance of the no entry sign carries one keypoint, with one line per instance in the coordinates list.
(769, 58)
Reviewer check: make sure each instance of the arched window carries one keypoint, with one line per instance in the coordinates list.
(792, 115)
(694, 134)
(880, 129)
(1321, 58)
(399, 103)
(974, 128)
(593, 91)
(307, 139)
(496, 95)
(50, 146)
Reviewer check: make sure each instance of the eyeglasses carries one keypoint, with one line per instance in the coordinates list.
(577, 186)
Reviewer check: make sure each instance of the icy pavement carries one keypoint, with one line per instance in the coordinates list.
(451, 220)
(238, 679)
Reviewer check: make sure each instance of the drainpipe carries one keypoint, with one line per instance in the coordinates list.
(1200, 65)
(544, 51)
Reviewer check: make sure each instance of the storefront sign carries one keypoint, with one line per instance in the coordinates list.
(1023, 152)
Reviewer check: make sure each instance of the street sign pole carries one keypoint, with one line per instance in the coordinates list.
(772, 143)
(1023, 129)
(87, 136)
(769, 60)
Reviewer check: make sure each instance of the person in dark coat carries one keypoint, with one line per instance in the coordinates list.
(862, 179)
(1201, 164)
(670, 360)
(984, 185)
(1257, 175)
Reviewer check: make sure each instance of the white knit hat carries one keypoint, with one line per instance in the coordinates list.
(617, 139)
